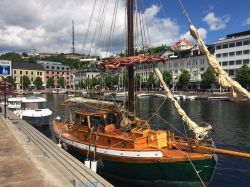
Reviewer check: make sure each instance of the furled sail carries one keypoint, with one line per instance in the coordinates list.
(200, 132)
(224, 80)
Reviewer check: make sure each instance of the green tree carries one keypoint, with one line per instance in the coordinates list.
(184, 79)
(61, 82)
(167, 77)
(108, 80)
(25, 81)
(10, 79)
(115, 80)
(81, 84)
(50, 82)
(208, 78)
(151, 79)
(137, 80)
(243, 76)
(38, 82)
(95, 81)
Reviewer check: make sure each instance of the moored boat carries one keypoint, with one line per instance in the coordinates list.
(34, 110)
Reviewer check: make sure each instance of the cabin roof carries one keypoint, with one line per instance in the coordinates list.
(92, 112)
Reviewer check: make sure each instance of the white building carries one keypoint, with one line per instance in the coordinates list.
(233, 51)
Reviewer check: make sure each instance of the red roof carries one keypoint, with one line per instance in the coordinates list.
(180, 41)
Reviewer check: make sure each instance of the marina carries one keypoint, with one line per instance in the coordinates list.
(131, 108)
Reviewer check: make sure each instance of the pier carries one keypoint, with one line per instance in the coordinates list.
(29, 158)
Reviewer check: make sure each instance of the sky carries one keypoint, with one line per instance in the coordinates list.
(47, 24)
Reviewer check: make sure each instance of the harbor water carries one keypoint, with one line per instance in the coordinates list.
(230, 122)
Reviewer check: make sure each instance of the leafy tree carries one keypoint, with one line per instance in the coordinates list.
(115, 80)
(151, 79)
(81, 84)
(243, 76)
(208, 78)
(88, 82)
(50, 82)
(108, 80)
(61, 82)
(25, 81)
(10, 79)
(14, 57)
(167, 77)
(184, 79)
(137, 80)
(96, 81)
(38, 82)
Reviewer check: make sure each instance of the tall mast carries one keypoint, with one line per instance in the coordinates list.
(131, 89)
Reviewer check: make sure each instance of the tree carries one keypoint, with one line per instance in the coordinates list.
(151, 79)
(108, 80)
(50, 82)
(184, 79)
(137, 80)
(95, 81)
(243, 76)
(167, 77)
(10, 79)
(208, 78)
(61, 82)
(25, 81)
(38, 82)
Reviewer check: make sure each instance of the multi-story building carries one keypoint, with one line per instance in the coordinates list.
(55, 70)
(31, 70)
(191, 60)
(82, 75)
(233, 51)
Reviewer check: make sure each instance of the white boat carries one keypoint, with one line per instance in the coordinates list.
(14, 103)
(191, 97)
(122, 94)
(144, 95)
(221, 98)
(37, 93)
(34, 110)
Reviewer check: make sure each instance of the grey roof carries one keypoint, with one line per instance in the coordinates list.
(28, 66)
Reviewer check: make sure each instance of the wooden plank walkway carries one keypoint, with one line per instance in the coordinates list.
(70, 169)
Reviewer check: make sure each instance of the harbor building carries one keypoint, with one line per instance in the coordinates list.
(55, 70)
(183, 57)
(31, 70)
(233, 52)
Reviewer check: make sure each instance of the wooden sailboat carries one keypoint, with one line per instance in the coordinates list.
(127, 148)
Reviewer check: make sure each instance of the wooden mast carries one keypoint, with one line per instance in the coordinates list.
(130, 39)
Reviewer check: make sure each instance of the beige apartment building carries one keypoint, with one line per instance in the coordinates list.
(31, 70)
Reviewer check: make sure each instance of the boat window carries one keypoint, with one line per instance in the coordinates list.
(111, 118)
(97, 120)
(84, 121)
(33, 105)
(77, 119)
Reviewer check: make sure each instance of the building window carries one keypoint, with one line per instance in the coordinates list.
(62, 68)
(14, 71)
(238, 62)
(231, 53)
(232, 45)
(37, 73)
(47, 77)
(52, 72)
(225, 46)
(27, 72)
(47, 72)
(32, 79)
(32, 73)
(224, 54)
(47, 67)
(52, 67)
(246, 61)
(21, 72)
(218, 55)
(246, 42)
(231, 63)
(238, 44)
(67, 68)
(218, 47)
(58, 67)
(231, 72)
(225, 63)
(58, 72)
(246, 52)
(62, 73)
(220, 63)
(41, 73)
(238, 53)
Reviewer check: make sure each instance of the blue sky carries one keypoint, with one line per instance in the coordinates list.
(231, 14)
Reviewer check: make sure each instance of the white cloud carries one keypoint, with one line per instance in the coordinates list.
(216, 23)
(202, 32)
(47, 25)
(247, 21)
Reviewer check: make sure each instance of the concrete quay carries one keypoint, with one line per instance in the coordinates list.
(28, 158)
